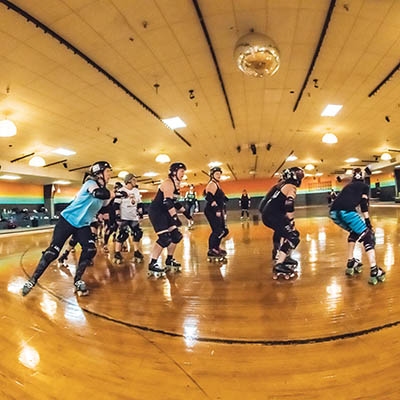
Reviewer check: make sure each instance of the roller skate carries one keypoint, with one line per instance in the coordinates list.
(81, 288)
(353, 266)
(62, 260)
(190, 224)
(376, 275)
(28, 286)
(282, 270)
(156, 271)
(138, 256)
(172, 265)
(215, 256)
(117, 258)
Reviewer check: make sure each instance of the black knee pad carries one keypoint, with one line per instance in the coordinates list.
(137, 233)
(176, 236)
(72, 242)
(368, 239)
(164, 239)
(226, 232)
(123, 234)
(353, 237)
(50, 254)
(294, 238)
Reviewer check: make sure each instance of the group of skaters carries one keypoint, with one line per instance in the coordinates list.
(277, 210)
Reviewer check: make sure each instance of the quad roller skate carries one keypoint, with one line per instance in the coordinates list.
(117, 258)
(376, 275)
(156, 271)
(81, 288)
(284, 271)
(291, 263)
(28, 286)
(138, 256)
(173, 265)
(216, 256)
(190, 224)
(353, 266)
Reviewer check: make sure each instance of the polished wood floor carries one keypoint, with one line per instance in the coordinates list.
(212, 332)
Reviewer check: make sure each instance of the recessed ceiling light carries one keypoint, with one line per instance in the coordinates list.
(163, 158)
(10, 177)
(64, 152)
(331, 110)
(329, 138)
(174, 123)
(122, 174)
(292, 157)
(61, 182)
(213, 164)
(309, 167)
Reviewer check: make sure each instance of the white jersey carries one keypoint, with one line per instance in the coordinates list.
(128, 205)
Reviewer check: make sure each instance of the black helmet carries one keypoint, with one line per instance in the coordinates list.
(293, 175)
(98, 167)
(358, 174)
(128, 178)
(174, 167)
(213, 170)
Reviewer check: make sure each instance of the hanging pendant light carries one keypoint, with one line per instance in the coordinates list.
(7, 128)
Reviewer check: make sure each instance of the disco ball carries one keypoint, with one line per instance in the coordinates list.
(257, 55)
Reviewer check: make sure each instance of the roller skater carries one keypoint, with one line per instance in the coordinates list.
(75, 220)
(284, 271)
(215, 214)
(163, 215)
(191, 205)
(277, 211)
(343, 213)
(172, 265)
(156, 271)
(244, 204)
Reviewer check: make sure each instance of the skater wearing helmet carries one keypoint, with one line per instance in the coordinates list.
(75, 220)
(277, 211)
(163, 215)
(215, 214)
(127, 213)
(343, 213)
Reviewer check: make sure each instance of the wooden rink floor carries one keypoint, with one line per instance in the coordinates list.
(214, 331)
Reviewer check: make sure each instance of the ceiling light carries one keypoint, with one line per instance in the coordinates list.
(257, 55)
(331, 110)
(329, 138)
(351, 159)
(163, 158)
(174, 123)
(214, 164)
(292, 157)
(309, 167)
(37, 161)
(64, 152)
(378, 171)
(61, 182)
(349, 172)
(386, 156)
(150, 174)
(122, 174)
(10, 177)
(224, 177)
(7, 128)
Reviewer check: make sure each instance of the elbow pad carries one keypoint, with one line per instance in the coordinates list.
(364, 204)
(210, 197)
(101, 193)
(289, 204)
(168, 203)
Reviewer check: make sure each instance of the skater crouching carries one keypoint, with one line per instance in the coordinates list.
(75, 220)
(277, 211)
(343, 213)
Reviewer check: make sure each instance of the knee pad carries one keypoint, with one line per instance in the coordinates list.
(122, 235)
(50, 254)
(91, 252)
(72, 242)
(353, 237)
(226, 232)
(293, 238)
(137, 233)
(164, 239)
(176, 236)
(368, 239)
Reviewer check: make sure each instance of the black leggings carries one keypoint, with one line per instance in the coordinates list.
(217, 225)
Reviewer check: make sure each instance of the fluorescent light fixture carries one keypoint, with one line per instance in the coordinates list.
(61, 182)
(7, 128)
(10, 177)
(213, 164)
(351, 159)
(174, 123)
(292, 157)
(378, 171)
(64, 152)
(150, 174)
(386, 156)
(329, 138)
(37, 161)
(331, 110)
(163, 158)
